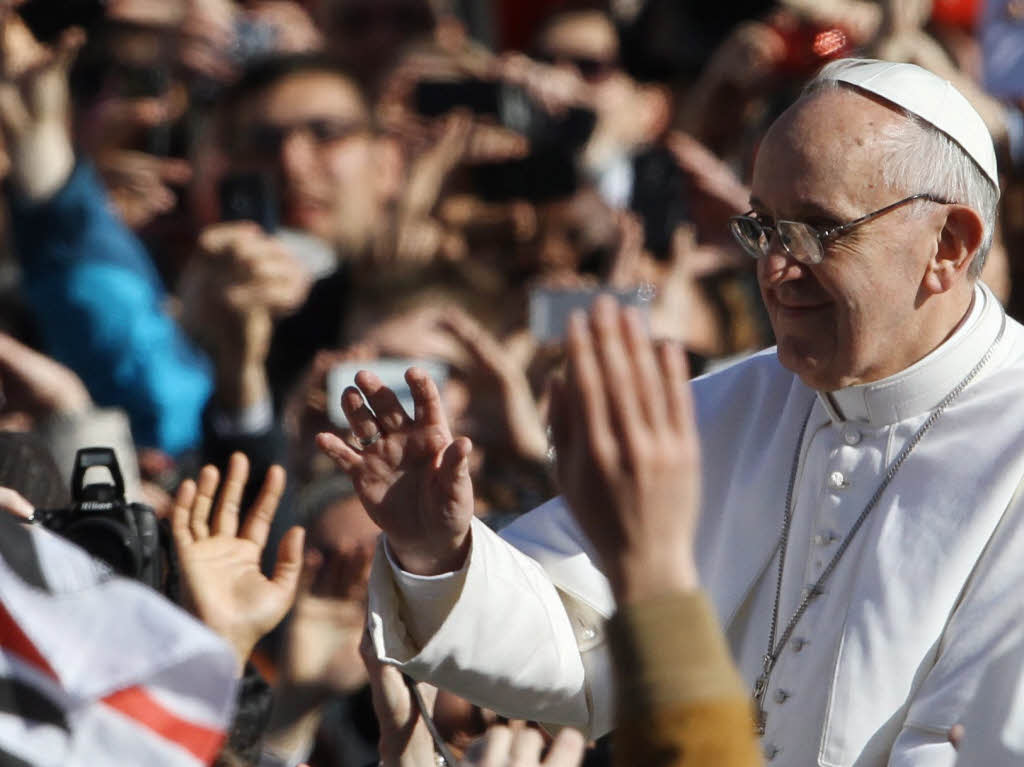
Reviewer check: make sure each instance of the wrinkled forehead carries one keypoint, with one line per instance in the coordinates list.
(829, 144)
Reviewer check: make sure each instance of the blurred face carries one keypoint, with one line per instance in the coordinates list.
(312, 131)
(578, 233)
(862, 313)
(586, 40)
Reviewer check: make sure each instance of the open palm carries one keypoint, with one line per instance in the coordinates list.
(220, 565)
(411, 475)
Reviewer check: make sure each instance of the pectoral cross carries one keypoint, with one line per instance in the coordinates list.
(760, 688)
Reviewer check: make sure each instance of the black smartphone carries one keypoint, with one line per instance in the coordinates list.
(250, 197)
(511, 106)
(433, 98)
(48, 18)
(539, 177)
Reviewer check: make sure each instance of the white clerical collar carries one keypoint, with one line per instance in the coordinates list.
(924, 384)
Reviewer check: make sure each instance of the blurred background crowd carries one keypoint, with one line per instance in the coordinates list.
(217, 211)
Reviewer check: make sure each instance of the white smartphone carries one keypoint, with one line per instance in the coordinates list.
(390, 370)
(550, 307)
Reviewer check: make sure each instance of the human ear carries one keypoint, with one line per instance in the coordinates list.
(959, 240)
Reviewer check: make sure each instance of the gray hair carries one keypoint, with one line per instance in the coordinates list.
(921, 159)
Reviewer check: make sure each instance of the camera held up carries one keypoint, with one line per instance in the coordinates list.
(126, 536)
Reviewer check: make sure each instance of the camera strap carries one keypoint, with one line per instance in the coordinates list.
(440, 747)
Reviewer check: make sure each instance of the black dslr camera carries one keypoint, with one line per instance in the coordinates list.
(127, 536)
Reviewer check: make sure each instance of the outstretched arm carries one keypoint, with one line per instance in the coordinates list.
(441, 608)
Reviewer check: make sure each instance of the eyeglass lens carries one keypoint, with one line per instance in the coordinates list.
(798, 239)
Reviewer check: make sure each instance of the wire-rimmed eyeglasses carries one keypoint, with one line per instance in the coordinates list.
(802, 241)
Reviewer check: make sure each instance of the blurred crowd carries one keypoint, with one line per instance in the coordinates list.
(218, 211)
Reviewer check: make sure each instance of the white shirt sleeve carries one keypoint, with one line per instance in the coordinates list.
(961, 685)
(994, 723)
(505, 641)
(434, 596)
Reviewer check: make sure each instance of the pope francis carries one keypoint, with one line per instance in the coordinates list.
(858, 485)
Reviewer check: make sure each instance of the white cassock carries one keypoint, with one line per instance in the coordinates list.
(881, 665)
(994, 723)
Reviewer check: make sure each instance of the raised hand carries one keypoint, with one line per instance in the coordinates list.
(233, 291)
(35, 106)
(220, 564)
(411, 475)
(628, 457)
(404, 738)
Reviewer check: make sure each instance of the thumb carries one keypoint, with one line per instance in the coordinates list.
(289, 562)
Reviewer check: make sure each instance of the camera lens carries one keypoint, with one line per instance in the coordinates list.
(107, 540)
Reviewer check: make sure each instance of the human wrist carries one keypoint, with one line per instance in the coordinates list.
(417, 559)
(42, 161)
(637, 578)
(241, 382)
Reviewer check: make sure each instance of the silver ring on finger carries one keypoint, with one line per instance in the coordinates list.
(365, 442)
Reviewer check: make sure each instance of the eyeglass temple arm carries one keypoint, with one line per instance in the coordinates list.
(837, 230)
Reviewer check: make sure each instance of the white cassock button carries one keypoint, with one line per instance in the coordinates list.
(837, 480)
(798, 643)
(771, 751)
(781, 696)
(851, 436)
(824, 539)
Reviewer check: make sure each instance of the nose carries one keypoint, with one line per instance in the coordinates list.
(777, 266)
(297, 153)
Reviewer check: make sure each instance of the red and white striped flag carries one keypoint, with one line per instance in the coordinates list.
(100, 670)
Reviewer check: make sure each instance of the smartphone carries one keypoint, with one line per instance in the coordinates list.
(539, 177)
(390, 370)
(249, 197)
(437, 97)
(550, 308)
(511, 106)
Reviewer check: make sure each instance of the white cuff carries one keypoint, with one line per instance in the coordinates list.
(433, 595)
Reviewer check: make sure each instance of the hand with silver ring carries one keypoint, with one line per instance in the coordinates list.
(411, 474)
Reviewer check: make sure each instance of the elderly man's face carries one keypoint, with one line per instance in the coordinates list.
(855, 317)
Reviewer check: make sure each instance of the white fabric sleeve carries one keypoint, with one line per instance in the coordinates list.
(920, 748)
(506, 642)
(434, 596)
(994, 723)
(983, 627)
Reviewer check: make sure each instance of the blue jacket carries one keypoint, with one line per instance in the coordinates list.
(98, 303)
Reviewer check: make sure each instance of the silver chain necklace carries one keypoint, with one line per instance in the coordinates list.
(771, 657)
